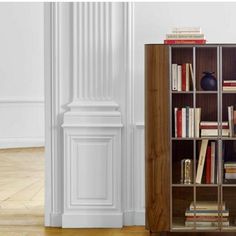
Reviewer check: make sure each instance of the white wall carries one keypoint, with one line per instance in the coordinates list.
(21, 74)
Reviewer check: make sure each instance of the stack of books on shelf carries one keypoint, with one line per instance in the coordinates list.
(232, 121)
(184, 122)
(210, 128)
(230, 170)
(206, 214)
(229, 85)
(207, 154)
(181, 77)
(185, 35)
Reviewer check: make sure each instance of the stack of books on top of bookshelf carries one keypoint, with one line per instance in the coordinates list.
(185, 35)
(210, 128)
(206, 214)
(207, 154)
(229, 85)
(232, 121)
(181, 77)
(230, 170)
(184, 122)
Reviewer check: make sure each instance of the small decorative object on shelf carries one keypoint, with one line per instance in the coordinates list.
(186, 171)
(208, 81)
(185, 35)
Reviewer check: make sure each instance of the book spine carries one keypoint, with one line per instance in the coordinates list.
(230, 121)
(213, 127)
(184, 77)
(184, 36)
(184, 122)
(230, 84)
(179, 123)
(201, 160)
(208, 165)
(187, 122)
(213, 149)
(174, 77)
(179, 77)
(187, 77)
(176, 124)
(192, 76)
(197, 121)
(184, 41)
(186, 29)
(234, 122)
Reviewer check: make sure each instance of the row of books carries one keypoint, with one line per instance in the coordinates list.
(206, 214)
(181, 77)
(229, 85)
(232, 121)
(230, 170)
(207, 154)
(185, 35)
(211, 129)
(184, 122)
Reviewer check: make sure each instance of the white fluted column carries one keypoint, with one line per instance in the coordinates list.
(92, 126)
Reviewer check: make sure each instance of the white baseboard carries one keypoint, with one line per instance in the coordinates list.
(114, 220)
(55, 220)
(134, 218)
(21, 142)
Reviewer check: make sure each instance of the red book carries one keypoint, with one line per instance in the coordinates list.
(179, 123)
(184, 41)
(230, 84)
(213, 127)
(184, 77)
(208, 165)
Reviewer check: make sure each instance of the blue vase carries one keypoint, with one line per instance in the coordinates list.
(208, 81)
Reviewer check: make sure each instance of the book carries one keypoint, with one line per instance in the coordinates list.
(206, 205)
(230, 164)
(213, 152)
(174, 70)
(208, 165)
(206, 218)
(205, 224)
(192, 75)
(184, 41)
(186, 29)
(224, 213)
(214, 132)
(187, 122)
(229, 88)
(201, 160)
(191, 123)
(179, 123)
(187, 65)
(175, 114)
(179, 78)
(230, 175)
(197, 122)
(184, 81)
(230, 119)
(213, 123)
(185, 36)
(183, 122)
(234, 122)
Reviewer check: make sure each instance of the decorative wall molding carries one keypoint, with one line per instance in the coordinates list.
(20, 142)
(23, 100)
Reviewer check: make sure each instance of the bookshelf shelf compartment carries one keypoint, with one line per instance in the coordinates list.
(165, 148)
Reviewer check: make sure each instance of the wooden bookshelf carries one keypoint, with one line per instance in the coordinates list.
(166, 197)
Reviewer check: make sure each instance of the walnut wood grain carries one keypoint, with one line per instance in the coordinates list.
(157, 148)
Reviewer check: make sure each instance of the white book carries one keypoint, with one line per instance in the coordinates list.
(190, 124)
(175, 113)
(207, 205)
(196, 30)
(230, 175)
(229, 88)
(174, 77)
(187, 76)
(179, 78)
(197, 121)
(213, 123)
(201, 160)
(213, 152)
(213, 132)
(183, 122)
(230, 118)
